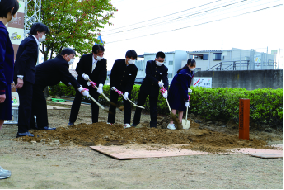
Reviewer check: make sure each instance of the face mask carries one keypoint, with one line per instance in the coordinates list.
(71, 61)
(131, 61)
(42, 38)
(192, 69)
(159, 63)
(99, 58)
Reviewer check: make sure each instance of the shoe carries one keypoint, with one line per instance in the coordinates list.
(24, 134)
(171, 127)
(109, 123)
(133, 125)
(47, 128)
(4, 173)
(70, 123)
(126, 126)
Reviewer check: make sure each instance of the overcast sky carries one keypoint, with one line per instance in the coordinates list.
(167, 25)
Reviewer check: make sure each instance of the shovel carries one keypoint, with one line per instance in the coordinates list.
(185, 122)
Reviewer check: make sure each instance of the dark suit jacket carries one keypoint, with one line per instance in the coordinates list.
(122, 76)
(52, 71)
(26, 59)
(85, 66)
(6, 59)
(154, 74)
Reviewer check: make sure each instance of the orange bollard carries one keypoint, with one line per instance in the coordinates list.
(244, 115)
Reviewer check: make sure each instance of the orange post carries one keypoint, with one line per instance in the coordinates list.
(244, 115)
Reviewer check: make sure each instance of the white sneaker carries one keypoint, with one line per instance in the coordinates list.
(171, 127)
(4, 173)
(109, 123)
(126, 126)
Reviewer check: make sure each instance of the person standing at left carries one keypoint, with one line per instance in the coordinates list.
(24, 77)
(8, 9)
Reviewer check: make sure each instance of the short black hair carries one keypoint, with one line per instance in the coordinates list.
(131, 54)
(67, 51)
(97, 48)
(161, 55)
(38, 26)
(7, 5)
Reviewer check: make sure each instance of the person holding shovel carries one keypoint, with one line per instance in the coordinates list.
(50, 73)
(156, 72)
(91, 66)
(122, 76)
(180, 87)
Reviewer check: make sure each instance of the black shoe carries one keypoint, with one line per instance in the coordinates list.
(70, 123)
(47, 128)
(24, 134)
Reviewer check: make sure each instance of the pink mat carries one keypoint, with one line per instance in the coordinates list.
(124, 152)
(143, 151)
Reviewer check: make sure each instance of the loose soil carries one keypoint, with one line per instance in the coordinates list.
(63, 159)
(198, 137)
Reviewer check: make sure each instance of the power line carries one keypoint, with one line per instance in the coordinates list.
(194, 17)
(278, 5)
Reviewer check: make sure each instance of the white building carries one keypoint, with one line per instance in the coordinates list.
(235, 59)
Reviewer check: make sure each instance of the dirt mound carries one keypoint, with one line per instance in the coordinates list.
(101, 133)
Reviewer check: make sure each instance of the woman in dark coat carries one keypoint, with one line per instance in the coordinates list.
(178, 93)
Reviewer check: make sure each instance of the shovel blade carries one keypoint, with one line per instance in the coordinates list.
(185, 124)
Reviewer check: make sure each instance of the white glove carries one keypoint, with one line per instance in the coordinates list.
(80, 89)
(100, 89)
(189, 90)
(113, 88)
(165, 94)
(126, 95)
(69, 84)
(187, 104)
(86, 93)
(161, 84)
(85, 76)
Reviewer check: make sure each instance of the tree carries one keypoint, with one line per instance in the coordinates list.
(73, 23)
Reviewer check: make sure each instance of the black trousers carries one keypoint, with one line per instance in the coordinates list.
(77, 103)
(25, 96)
(39, 108)
(127, 108)
(142, 96)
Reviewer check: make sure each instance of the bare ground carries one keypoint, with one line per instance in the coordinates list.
(71, 164)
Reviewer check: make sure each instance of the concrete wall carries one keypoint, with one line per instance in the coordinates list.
(249, 79)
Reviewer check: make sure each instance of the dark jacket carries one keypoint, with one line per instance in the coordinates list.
(85, 66)
(154, 74)
(122, 76)
(26, 59)
(6, 59)
(52, 71)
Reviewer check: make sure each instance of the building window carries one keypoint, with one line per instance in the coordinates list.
(217, 56)
(139, 64)
(171, 62)
(205, 56)
(170, 75)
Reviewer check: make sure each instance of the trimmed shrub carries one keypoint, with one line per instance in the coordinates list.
(266, 105)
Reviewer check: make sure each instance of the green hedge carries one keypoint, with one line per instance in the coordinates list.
(222, 104)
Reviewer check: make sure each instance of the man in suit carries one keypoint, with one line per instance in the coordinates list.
(24, 77)
(50, 73)
(122, 76)
(156, 72)
(91, 66)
